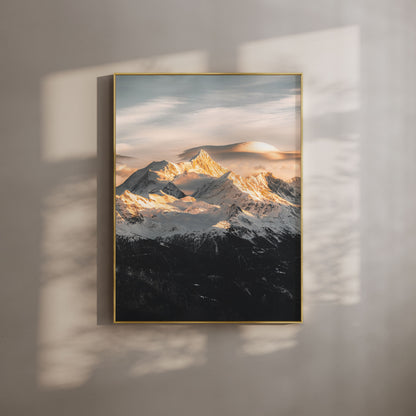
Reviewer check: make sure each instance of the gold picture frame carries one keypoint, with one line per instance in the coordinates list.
(167, 321)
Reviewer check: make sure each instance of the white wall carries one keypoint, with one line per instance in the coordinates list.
(354, 354)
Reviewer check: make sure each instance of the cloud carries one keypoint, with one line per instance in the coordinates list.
(240, 121)
(271, 121)
(125, 166)
(123, 172)
(123, 148)
(168, 125)
(284, 169)
(243, 150)
(129, 119)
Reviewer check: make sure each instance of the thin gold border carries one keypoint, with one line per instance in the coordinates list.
(114, 199)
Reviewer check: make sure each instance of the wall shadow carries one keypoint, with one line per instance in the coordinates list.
(78, 214)
(105, 200)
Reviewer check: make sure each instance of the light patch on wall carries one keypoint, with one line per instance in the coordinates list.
(329, 61)
(259, 340)
(184, 347)
(69, 102)
(72, 348)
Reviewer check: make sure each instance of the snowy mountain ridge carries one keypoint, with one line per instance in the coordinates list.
(201, 199)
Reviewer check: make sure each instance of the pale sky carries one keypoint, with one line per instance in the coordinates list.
(163, 116)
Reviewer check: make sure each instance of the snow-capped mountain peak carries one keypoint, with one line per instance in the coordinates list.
(202, 154)
(154, 178)
(203, 163)
(152, 203)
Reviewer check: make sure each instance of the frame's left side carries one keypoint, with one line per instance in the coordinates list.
(114, 198)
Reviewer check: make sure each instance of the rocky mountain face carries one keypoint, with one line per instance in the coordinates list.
(195, 241)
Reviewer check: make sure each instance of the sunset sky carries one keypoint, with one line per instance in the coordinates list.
(172, 116)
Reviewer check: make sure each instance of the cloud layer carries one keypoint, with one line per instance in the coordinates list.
(157, 117)
(243, 150)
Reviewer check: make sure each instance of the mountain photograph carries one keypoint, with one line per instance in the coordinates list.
(212, 232)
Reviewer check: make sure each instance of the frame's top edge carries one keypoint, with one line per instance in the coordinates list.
(210, 322)
(207, 73)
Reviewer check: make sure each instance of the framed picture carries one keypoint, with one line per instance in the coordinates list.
(207, 198)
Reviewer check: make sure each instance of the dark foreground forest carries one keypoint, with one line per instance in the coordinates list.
(221, 279)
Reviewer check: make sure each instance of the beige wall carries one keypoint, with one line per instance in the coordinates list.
(354, 354)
